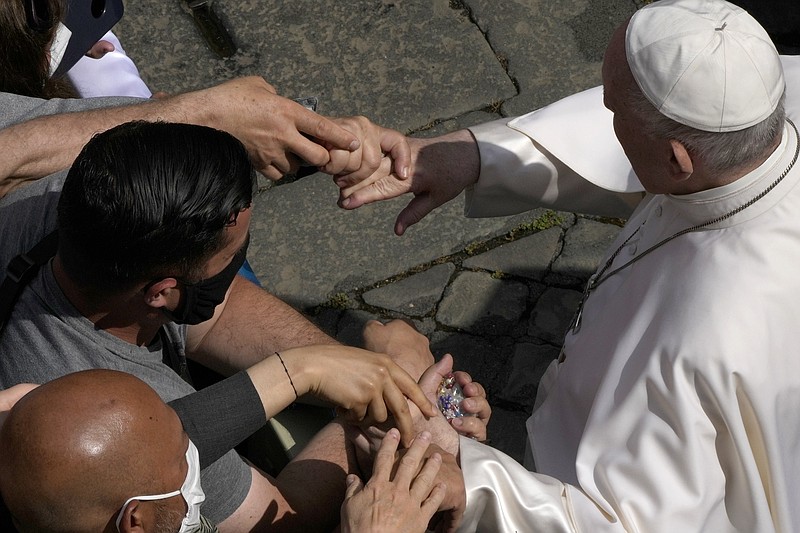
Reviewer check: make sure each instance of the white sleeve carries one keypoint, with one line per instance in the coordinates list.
(504, 496)
(566, 156)
(563, 156)
(115, 74)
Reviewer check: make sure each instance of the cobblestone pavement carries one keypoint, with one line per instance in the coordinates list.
(496, 293)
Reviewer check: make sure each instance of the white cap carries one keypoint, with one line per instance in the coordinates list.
(704, 63)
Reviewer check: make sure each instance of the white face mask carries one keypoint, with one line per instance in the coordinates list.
(59, 46)
(191, 490)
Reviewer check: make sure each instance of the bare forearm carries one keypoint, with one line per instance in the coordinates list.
(320, 469)
(44, 145)
(253, 325)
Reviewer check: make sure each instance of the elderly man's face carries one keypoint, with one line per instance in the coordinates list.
(649, 157)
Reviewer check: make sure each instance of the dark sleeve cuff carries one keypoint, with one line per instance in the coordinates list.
(221, 416)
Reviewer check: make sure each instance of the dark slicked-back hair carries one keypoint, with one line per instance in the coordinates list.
(145, 201)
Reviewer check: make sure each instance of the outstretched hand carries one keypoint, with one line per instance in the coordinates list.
(277, 132)
(376, 142)
(365, 386)
(403, 501)
(440, 169)
(410, 349)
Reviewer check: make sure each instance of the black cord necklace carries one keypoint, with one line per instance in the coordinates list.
(600, 276)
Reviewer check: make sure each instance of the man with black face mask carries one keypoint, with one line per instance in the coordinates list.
(152, 224)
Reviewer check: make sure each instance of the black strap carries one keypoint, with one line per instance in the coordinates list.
(20, 272)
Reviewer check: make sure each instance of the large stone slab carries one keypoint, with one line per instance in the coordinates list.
(551, 49)
(415, 295)
(305, 248)
(402, 63)
(584, 246)
(552, 314)
(478, 303)
(528, 364)
(529, 257)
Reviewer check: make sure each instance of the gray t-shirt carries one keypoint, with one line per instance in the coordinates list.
(46, 337)
(15, 108)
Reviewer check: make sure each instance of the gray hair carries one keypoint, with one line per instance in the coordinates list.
(721, 152)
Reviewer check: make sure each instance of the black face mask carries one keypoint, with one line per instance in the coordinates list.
(201, 298)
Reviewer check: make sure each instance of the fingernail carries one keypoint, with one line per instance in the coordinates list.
(394, 433)
(346, 202)
(457, 422)
(425, 435)
(404, 172)
(354, 145)
(351, 478)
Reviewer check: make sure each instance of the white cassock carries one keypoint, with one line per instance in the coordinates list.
(674, 407)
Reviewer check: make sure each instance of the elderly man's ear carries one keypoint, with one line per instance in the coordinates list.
(132, 519)
(681, 162)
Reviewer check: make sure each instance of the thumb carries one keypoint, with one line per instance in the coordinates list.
(434, 374)
(415, 211)
(354, 485)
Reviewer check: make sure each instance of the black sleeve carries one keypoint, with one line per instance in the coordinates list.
(220, 416)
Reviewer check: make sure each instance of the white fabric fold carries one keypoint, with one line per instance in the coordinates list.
(114, 74)
(673, 408)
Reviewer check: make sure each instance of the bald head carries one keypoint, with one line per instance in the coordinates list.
(73, 450)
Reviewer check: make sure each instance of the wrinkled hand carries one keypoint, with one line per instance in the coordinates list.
(411, 350)
(446, 431)
(365, 385)
(276, 131)
(474, 403)
(440, 169)
(454, 503)
(402, 342)
(354, 166)
(403, 502)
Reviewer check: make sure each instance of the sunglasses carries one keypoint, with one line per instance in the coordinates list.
(38, 15)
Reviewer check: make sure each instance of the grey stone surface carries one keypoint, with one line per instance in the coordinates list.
(511, 442)
(376, 57)
(584, 246)
(527, 365)
(478, 303)
(415, 295)
(529, 257)
(552, 314)
(544, 68)
(427, 67)
(306, 248)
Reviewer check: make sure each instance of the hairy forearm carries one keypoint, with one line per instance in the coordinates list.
(44, 145)
(252, 325)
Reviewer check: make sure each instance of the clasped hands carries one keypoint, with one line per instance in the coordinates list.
(279, 133)
(414, 496)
